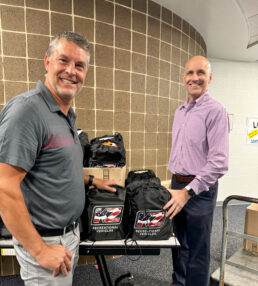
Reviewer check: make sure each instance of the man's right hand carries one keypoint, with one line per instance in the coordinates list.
(56, 258)
(103, 184)
(178, 200)
(17, 219)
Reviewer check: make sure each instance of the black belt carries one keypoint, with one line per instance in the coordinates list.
(57, 231)
(184, 179)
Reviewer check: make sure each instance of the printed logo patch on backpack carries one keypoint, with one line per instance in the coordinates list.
(151, 219)
(107, 215)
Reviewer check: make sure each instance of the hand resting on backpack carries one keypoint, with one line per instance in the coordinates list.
(101, 184)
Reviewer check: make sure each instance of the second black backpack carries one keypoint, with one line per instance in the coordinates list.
(146, 198)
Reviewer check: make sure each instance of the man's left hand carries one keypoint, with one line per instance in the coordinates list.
(178, 200)
(104, 184)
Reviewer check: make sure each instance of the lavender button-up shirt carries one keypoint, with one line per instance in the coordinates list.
(200, 142)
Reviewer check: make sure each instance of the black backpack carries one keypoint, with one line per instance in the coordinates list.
(107, 150)
(106, 214)
(138, 175)
(146, 198)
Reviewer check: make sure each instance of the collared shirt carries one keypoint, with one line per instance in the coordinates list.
(200, 142)
(38, 137)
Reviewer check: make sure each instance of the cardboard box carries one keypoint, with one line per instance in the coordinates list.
(9, 265)
(86, 259)
(114, 174)
(90, 259)
(251, 228)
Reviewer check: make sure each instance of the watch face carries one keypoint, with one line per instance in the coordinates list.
(90, 180)
(191, 193)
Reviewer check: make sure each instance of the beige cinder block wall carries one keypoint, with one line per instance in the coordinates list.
(134, 81)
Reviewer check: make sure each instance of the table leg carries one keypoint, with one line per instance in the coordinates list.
(103, 270)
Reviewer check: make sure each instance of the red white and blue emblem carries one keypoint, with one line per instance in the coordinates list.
(107, 215)
(149, 219)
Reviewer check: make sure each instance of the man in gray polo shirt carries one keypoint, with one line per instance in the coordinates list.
(41, 174)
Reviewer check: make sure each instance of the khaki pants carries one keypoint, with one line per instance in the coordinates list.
(35, 275)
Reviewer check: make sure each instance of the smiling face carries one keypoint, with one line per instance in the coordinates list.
(197, 76)
(66, 70)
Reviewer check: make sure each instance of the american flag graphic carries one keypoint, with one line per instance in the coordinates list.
(149, 219)
(107, 215)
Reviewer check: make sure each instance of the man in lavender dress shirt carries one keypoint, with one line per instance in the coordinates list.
(199, 157)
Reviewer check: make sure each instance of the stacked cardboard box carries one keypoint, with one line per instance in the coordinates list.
(251, 228)
(113, 174)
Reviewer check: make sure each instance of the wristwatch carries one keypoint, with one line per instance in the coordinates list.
(190, 191)
(90, 182)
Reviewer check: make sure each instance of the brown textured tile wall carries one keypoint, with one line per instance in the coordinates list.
(14, 44)
(134, 83)
(1, 93)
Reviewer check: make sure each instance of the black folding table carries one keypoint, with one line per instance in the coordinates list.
(110, 247)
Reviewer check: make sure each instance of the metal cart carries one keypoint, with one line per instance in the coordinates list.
(226, 233)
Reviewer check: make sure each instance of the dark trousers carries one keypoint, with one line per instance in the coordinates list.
(192, 226)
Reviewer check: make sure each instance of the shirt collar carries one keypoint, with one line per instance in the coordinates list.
(198, 101)
(50, 100)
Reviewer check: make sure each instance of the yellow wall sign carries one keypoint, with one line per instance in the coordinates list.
(252, 130)
(253, 133)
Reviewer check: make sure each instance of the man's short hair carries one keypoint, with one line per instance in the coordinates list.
(70, 36)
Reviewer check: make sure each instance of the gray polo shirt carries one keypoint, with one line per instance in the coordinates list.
(36, 136)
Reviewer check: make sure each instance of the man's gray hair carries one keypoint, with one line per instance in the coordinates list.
(70, 36)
